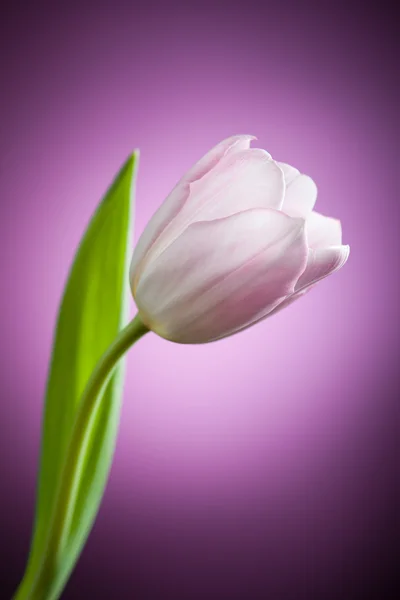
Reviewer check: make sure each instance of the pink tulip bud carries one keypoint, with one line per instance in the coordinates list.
(236, 240)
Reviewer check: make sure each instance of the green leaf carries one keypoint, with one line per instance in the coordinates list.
(92, 312)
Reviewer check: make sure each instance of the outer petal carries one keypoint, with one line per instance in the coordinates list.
(218, 275)
(301, 192)
(232, 144)
(320, 264)
(179, 195)
(242, 180)
(323, 231)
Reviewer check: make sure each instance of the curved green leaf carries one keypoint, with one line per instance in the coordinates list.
(92, 312)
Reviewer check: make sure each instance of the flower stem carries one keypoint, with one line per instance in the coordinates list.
(45, 585)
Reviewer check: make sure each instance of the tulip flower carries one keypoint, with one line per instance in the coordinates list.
(235, 241)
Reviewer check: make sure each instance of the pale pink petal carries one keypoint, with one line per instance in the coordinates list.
(320, 264)
(290, 173)
(287, 301)
(232, 144)
(301, 192)
(242, 180)
(323, 231)
(218, 275)
(179, 195)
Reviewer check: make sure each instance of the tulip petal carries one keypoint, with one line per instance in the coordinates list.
(301, 192)
(219, 275)
(232, 144)
(323, 231)
(321, 263)
(156, 226)
(179, 195)
(242, 180)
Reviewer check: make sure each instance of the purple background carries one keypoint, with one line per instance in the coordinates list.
(262, 466)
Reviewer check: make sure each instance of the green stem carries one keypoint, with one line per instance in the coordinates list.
(42, 587)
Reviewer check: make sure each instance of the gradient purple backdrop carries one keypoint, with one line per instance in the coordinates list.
(262, 466)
